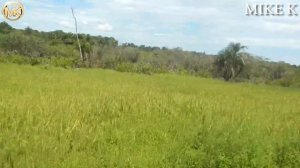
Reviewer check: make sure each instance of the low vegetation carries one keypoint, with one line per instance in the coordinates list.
(57, 117)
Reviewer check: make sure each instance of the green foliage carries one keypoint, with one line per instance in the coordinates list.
(100, 118)
(125, 67)
(63, 62)
(23, 45)
(53, 61)
(5, 28)
(229, 63)
(141, 68)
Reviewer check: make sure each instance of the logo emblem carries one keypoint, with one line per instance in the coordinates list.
(13, 10)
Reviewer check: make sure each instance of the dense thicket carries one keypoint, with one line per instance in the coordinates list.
(59, 49)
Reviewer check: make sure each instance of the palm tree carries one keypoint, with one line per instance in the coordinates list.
(229, 63)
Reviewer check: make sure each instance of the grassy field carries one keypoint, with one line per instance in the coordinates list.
(51, 117)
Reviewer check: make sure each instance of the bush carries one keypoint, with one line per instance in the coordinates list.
(141, 68)
(144, 68)
(16, 59)
(54, 61)
(63, 62)
(125, 67)
(23, 45)
(284, 82)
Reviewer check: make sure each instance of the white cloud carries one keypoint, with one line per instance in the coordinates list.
(125, 2)
(282, 27)
(66, 24)
(160, 34)
(84, 22)
(268, 42)
(104, 27)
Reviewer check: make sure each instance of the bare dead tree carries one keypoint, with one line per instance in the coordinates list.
(78, 41)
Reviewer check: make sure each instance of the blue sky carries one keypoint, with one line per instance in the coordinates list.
(197, 25)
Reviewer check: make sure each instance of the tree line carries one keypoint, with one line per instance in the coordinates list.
(58, 48)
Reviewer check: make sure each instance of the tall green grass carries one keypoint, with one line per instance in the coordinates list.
(52, 117)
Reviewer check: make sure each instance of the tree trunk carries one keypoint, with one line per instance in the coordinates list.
(79, 45)
(233, 72)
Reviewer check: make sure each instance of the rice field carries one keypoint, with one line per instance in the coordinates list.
(75, 118)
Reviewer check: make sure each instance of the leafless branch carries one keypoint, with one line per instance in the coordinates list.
(78, 41)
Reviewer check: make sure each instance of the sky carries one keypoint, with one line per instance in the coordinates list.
(194, 25)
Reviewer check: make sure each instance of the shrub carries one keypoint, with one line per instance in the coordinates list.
(54, 61)
(144, 68)
(62, 62)
(125, 67)
(16, 59)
